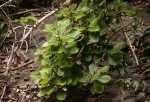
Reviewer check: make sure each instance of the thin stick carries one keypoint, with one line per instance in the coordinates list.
(21, 66)
(80, 52)
(26, 11)
(4, 90)
(6, 3)
(37, 23)
(25, 64)
(132, 48)
(9, 60)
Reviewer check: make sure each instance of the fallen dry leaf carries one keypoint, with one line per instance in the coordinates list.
(21, 61)
(142, 94)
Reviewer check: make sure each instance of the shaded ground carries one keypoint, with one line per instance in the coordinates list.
(20, 88)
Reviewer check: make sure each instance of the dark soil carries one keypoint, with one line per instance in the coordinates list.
(21, 88)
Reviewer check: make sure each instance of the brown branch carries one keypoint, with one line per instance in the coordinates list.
(132, 48)
(10, 60)
(23, 65)
(13, 49)
(23, 12)
(37, 23)
(6, 3)
(3, 93)
(130, 45)
(80, 52)
(22, 40)
(15, 45)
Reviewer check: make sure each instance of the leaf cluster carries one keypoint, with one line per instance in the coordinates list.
(80, 40)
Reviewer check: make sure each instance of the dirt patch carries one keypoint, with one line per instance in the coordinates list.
(20, 88)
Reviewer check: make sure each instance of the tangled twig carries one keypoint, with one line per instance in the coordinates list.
(16, 45)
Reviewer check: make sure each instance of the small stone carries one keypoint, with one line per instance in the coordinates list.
(27, 96)
(26, 79)
(17, 90)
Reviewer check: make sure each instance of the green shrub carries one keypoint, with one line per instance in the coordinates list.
(80, 40)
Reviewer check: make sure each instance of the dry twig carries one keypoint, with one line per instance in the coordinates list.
(132, 48)
(10, 60)
(26, 11)
(3, 93)
(130, 45)
(16, 45)
(6, 3)
(22, 40)
(35, 25)
(23, 65)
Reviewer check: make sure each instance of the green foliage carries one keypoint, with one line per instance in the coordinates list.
(48, 90)
(24, 20)
(144, 47)
(79, 40)
(1, 25)
(117, 48)
(61, 95)
(18, 1)
(2, 34)
(121, 84)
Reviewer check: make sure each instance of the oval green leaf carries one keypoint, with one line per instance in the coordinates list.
(104, 79)
(113, 60)
(83, 80)
(117, 48)
(59, 13)
(92, 69)
(98, 87)
(61, 95)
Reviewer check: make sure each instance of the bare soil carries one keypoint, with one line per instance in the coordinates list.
(21, 88)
